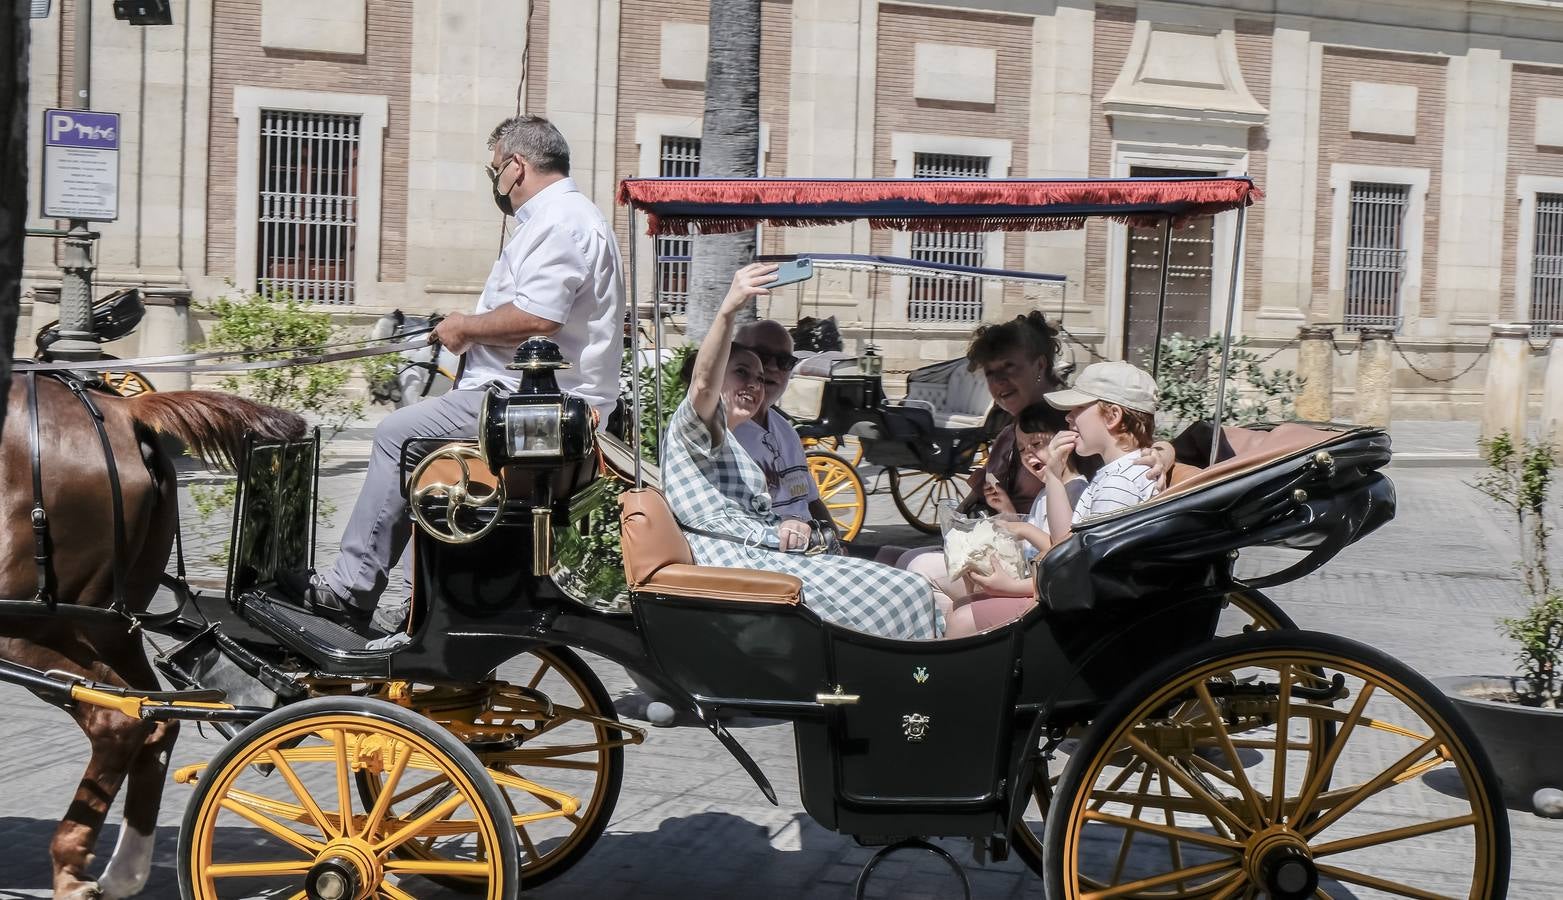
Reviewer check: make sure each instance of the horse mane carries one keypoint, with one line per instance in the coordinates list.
(214, 425)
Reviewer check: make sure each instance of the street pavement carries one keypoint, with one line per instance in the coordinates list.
(689, 823)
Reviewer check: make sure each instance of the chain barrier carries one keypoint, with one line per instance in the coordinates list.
(1097, 357)
(1401, 352)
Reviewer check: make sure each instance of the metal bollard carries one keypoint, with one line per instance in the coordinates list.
(1375, 377)
(1508, 361)
(1316, 365)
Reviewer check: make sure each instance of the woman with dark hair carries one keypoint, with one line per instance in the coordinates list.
(1016, 358)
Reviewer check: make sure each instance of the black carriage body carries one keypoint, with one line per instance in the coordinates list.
(894, 738)
(894, 435)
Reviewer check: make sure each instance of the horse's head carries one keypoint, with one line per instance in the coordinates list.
(388, 325)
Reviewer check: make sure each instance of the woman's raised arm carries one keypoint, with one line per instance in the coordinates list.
(705, 383)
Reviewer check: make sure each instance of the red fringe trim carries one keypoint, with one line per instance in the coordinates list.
(1194, 197)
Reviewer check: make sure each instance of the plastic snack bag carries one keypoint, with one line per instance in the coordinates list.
(971, 545)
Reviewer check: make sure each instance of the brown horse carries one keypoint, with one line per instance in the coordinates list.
(78, 502)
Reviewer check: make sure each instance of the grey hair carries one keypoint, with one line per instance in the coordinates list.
(534, 139)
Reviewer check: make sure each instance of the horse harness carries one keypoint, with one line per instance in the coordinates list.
(44, 600)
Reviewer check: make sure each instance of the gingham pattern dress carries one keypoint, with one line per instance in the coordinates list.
(718, 487)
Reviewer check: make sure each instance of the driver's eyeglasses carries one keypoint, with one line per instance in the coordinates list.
(783, 361)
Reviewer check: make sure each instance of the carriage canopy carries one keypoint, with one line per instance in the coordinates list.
(724, 205)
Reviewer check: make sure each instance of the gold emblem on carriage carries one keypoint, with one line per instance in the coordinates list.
(915, 727)
(920, 674)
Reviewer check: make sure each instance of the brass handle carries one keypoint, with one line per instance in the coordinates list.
(453, 497)
(838, 698)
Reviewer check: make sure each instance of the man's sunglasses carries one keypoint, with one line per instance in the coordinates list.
(783, 361)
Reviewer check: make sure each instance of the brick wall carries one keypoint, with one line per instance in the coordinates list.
(1338, 144)
(537, 59)
(897, 109)
(1114, 33)
(383, 69)
(642, 90)
(1525, 158)
(1253, 55)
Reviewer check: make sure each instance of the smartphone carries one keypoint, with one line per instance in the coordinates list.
(793, 271)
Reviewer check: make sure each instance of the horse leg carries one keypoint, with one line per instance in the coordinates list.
(115, 739)
(131, 865)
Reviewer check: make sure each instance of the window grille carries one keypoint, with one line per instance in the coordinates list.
(1546, 266)
(947, 299)
(308, 226)
(680, 158)
(1376, 255)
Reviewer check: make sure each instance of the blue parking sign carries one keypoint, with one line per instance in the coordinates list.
(80, 165)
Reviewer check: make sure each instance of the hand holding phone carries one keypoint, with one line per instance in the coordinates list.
(793, 271)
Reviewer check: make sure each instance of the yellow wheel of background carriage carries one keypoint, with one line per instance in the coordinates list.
(841, 490)
(846, 446)
(127, 384)
(548, 730)
(1199, 780)
(273, 812)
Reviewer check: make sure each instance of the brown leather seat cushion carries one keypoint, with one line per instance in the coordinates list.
(657, 558)
(1256, 449)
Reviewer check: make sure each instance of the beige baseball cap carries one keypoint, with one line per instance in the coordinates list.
(1116, 382)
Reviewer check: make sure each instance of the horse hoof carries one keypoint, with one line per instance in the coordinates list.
(81, 890)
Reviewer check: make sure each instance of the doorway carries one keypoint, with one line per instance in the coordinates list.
(1189, 277)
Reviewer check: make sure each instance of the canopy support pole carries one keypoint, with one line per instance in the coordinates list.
(656, 331)
(1226, 334)
(634, 410)
(1161, 294)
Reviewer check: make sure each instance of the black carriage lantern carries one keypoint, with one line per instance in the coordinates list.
(537, 423)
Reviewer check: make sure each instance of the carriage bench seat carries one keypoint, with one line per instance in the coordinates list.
(657, 560)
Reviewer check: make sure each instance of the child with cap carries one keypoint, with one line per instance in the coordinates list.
(1111, 414)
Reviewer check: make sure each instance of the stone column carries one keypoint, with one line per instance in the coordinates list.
(1375, 377)
(164, 331)
(1552, 393)
(1508, 357)
(1316, 365)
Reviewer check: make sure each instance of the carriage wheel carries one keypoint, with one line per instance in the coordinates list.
(1244, 611)
(273, 812)
(1209, 741)
(917, 496)
(535, 756)
(128, 384)
(841, 490)
(846, 446)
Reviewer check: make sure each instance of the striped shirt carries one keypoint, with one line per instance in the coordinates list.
(1120, 484)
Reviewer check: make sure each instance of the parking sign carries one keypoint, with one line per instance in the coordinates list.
(80, 165)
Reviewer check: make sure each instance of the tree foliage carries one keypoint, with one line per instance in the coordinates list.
(1519, 478)
(1190, 377)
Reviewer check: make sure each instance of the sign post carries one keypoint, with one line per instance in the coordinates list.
(80, 183)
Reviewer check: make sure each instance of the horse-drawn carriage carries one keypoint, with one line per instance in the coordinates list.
(1271, 762)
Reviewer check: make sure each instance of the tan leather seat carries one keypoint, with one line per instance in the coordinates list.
(657, 560)
(1254, 450)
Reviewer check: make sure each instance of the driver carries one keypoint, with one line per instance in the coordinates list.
(558, 276)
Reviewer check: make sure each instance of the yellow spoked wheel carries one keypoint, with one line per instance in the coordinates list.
(1201, 779)
(841, 490)
(274, 813)
(918, 494)
(551, 732)
(846, 446)
(127, 384)
(1243, 611)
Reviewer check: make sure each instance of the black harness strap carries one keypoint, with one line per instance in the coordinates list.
(40, 518)
(116, 494)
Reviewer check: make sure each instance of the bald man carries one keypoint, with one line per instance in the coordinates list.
(769, 438)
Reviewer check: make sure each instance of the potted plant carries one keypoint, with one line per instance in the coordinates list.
(1520, 717)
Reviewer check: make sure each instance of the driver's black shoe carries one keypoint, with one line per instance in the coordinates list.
(310, 591)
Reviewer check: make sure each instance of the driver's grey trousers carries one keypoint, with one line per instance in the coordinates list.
(378, 529)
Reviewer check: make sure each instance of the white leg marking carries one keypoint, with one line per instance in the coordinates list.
(129, 867)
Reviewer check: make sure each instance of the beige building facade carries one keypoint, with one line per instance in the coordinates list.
(1410, 151)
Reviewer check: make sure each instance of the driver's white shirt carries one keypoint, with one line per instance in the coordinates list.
(560, 264)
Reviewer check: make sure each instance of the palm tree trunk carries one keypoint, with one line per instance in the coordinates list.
(729, 146)
(14, 23)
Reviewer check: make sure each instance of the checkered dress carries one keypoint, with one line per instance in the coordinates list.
(714, 485)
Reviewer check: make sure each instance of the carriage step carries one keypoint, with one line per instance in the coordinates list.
(329, 645)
